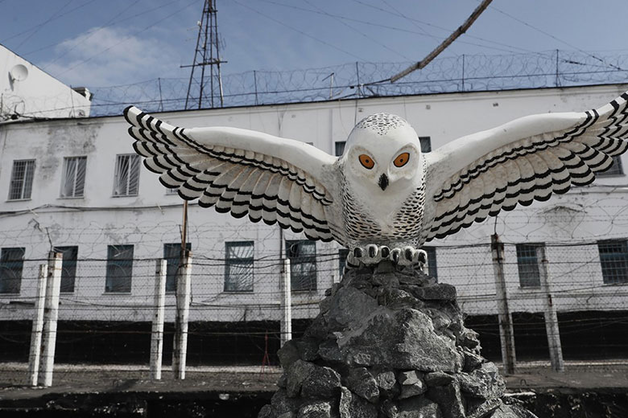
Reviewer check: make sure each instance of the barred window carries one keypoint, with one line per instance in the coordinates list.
(431, 261)
(73, 184)
(172, 255)
(614, 260)
(528, 265)
(68, 267)
(616, 169)
(119, 269)
(342, 260)
(22, 179)
(127, 175)
(239, 266)
(426, 144)
(11, 264)
(339, 148)
(302, 255)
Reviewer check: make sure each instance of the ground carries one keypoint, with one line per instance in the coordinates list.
(218, 391)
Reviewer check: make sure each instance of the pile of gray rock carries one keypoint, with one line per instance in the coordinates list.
(389, 342)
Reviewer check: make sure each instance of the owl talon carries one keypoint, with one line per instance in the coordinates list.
(373, 254)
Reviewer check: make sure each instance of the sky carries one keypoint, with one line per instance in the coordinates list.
(96, 43)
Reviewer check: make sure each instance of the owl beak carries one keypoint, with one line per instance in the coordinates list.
(383, 181)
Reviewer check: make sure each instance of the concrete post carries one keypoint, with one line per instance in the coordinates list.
(157, 334)
(183, 294)
(551, 317)
(38, 326)
(51, 314)
(506, 330)
(286, 303)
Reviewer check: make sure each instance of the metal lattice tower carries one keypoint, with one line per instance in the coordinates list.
(203, 89)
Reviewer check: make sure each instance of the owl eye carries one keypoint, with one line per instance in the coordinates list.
(366, 161)
(402, 159)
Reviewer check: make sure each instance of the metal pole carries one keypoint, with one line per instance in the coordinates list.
(38, 326)
(51, 314)
(157, 334)
(551, 317)
(183, 296)
(286, 303)
(506, 331)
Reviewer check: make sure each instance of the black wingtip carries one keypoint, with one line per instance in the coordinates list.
(126, 111)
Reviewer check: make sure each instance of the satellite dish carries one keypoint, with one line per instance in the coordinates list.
(18, 73)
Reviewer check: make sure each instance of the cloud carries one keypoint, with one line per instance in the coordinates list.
(110, 57)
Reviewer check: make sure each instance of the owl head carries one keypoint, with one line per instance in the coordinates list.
(383, 154)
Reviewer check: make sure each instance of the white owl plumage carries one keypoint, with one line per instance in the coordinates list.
(382, 190)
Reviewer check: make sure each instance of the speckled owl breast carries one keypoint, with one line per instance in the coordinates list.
(383, 190)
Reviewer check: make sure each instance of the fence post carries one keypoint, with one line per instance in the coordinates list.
(51, 313)
(179, 353)
(286, 303)
(506, 331)
(38, 326)
(551, 317)
(157, 334)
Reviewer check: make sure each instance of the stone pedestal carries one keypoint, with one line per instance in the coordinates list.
(389, 342)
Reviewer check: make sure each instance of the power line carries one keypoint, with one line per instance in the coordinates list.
(299, 31)
(554, 37)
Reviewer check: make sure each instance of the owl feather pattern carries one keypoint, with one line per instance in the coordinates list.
(382, 190)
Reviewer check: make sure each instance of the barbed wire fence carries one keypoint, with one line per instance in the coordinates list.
(109, 333)
(465, 73)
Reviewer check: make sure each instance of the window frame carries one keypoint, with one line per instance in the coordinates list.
(125, 265)
(432, 266)
(118, 176)
(76, 177)
(232, 283)
(526, 268)
(25, 183)
(616, 169)
(172, 264)
(68, 267)
(11, 265)
(297, 262)
(425, 140)
(343, 253)
(609, 272)
(337, 145)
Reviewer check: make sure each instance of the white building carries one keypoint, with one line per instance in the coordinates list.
(27, 92)
(76, 184)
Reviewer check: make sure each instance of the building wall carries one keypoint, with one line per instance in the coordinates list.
(153, 217)
(34, 93)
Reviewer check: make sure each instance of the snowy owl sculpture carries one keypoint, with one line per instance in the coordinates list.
(382, 198)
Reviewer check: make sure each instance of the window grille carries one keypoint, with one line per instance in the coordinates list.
(127, 175)
(11, 265)
(431, 261)
(68, 267)
(172, 255)
(528, 265)
(239, 266)
(614, 260)
(302, 255)
(342, 260)
(73, 177)
(119, 269)
(426, 144)
(616, 169)
(22, 179)
(339, 148)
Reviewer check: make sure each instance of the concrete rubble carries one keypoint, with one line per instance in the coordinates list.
(390, 342)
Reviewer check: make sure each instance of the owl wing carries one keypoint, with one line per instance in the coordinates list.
(521, 161)
(244, 172)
